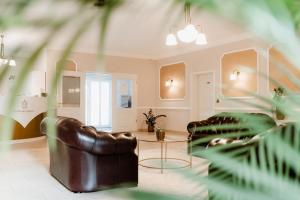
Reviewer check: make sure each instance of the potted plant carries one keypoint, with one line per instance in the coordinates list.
(151, 120)
(278, 99)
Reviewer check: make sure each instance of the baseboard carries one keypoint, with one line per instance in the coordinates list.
(23, 140)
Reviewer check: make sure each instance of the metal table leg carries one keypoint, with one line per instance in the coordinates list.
(166, 151)
(162, 157)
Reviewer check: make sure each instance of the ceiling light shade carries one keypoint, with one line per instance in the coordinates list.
(12, 63)
(201, 39)
(171, 40)
(188, 34)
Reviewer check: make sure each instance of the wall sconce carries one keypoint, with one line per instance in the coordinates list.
(170, 83)
(234, 75)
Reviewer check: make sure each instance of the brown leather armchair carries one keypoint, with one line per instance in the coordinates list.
(85, 160)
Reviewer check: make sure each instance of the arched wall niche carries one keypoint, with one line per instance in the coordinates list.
(243, 64)
(70, 65)
(279, 69)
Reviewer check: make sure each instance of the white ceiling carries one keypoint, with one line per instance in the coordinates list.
(138, 29)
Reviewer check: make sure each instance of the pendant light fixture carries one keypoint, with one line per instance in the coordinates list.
(3, 60)
(171, 39)
(189, 33)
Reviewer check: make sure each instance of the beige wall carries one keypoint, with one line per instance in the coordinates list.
(144, 69)
(178, 111)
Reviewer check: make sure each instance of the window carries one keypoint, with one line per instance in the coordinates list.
(98, 101)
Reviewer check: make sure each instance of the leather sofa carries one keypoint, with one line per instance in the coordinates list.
(257, 150)
(231, 125)
(85, 160)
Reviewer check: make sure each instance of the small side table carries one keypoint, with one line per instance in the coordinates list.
(164, 154)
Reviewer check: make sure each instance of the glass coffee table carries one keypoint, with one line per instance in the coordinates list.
(163, 158)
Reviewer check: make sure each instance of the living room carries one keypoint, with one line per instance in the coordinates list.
(134, 99)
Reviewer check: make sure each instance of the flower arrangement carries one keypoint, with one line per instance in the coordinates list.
(151, 119)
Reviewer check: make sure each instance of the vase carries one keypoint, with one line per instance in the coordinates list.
(279, 115)
(160, 134)
(150, 128)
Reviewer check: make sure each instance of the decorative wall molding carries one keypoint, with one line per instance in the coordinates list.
(237, 109)
(166, 96)
(255, 49)
(164, 108)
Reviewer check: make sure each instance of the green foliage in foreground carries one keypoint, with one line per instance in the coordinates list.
(270, 170)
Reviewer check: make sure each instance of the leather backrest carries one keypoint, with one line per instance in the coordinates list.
(73, 133)
(233, 122)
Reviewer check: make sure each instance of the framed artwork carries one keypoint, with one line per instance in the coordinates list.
(71, 91)
(124, 93)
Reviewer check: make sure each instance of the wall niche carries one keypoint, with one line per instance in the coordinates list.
(239, 73)
(279, 68)
(172, 81)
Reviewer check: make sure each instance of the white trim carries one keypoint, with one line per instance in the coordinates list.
(164, 108)
(185, 80)
(268, 68)
(23, 140)
(257, 72)
(193, 87)
(237, 109)
(130, 55)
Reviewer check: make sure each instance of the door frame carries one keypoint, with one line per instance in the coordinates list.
(77, 112)
(115, 108)
(194, 93)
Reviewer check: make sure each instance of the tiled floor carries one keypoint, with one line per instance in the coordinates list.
(24, 173)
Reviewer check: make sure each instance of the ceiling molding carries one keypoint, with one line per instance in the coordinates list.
(129, 55)
(209, 46)
(164, 56)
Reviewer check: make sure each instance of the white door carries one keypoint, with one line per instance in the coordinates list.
(124, 102)
(205, 95)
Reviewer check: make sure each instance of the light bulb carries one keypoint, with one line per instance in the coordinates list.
(171, 40)
(233, 77)
(201, 39)
(188, 34)
(168, 83)
(12, 63)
